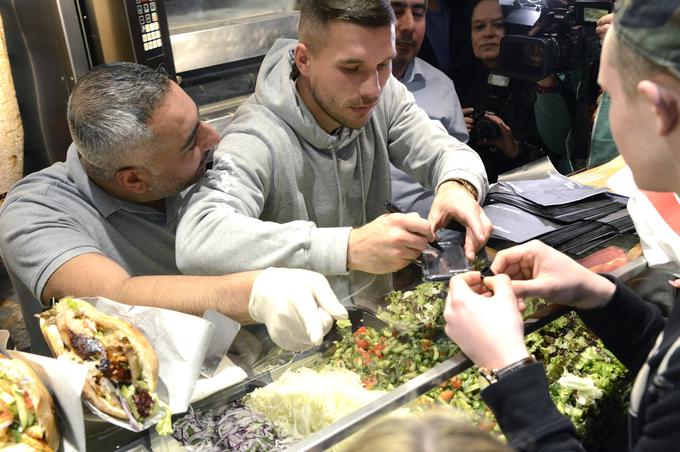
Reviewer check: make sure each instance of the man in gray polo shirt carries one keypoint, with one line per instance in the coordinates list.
(433, 91)
(103, 222)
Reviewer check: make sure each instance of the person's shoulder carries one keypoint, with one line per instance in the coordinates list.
(41, 182)
(432, 75)
(46, 189)
(256, 123)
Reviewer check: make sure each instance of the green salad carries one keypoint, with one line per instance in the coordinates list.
(585, 379)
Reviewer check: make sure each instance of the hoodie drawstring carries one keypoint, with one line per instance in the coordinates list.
(337, 183)
(363, 192)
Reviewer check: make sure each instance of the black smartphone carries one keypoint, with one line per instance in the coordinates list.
(442, 265)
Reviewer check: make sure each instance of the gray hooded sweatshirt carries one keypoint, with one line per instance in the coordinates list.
(285, 193)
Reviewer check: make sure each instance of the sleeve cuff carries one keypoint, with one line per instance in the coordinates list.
(523, 407)
(328, 250)
(57, 262)
(625, 306)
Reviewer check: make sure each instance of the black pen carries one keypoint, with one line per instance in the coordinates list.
(391, 208)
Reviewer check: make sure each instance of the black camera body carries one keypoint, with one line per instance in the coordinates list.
(483, 129)
(543, 39)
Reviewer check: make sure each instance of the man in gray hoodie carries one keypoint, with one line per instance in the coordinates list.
(301, 177)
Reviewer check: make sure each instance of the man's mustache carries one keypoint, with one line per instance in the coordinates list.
(405, 39)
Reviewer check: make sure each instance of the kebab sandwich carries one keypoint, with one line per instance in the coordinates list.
(123, 367)
(27, 416)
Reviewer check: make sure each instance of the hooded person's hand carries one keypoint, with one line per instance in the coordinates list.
(298, 307)
(388, 243)
(454, 202)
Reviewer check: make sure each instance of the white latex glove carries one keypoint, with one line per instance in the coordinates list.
(297, 306)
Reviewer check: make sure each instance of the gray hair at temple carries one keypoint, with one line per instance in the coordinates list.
(315, 16)
(108, 113)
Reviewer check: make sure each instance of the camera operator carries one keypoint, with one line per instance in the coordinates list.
(501, 113)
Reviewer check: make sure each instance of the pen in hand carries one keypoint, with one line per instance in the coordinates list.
(391, 208)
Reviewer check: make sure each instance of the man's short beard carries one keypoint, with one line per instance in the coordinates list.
(329, 113)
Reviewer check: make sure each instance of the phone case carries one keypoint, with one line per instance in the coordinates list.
(441, 265)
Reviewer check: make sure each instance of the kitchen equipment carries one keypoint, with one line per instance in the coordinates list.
(213, 47)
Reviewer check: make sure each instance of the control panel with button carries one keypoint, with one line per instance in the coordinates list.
(151, 39)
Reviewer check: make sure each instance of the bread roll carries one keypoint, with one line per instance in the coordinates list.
(38, 417)
(11, 130)
(117, 354)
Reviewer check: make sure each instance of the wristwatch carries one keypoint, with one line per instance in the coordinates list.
(468, 186)
(493, 375)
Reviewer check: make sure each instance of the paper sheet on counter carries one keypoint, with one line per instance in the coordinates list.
(227, 374)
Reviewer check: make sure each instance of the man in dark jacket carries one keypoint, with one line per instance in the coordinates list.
(641, 71)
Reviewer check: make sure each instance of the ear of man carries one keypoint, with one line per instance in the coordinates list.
(664, 101)
(302, 56)
(133, 180)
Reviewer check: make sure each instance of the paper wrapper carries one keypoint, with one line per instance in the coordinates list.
(64, 379)
(180, 341)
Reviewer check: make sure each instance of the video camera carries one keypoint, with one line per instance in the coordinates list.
(548, 36)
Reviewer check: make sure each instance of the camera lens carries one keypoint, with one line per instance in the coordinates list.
(486, 130)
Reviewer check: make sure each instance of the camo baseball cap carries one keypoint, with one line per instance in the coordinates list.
(651, 28)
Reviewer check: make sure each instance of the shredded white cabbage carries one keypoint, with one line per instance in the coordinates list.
(304, 401)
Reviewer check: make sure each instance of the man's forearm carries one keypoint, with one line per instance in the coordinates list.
(94, 274)
(228, 294)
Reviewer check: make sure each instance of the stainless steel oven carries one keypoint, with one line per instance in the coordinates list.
(213, 47)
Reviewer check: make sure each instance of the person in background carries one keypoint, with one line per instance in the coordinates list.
(433, 91)
(602, 146)
(103, 223)
(443, 41)
(302, 175)
(640, 68)
(437, 431)
(529, 120)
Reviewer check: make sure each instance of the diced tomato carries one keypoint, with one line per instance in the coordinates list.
(362, 344)
(377, 350)
(27, 402)
(456, 383)
(446, 395)
(360, 330)
(369, 382)
(365, 356)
